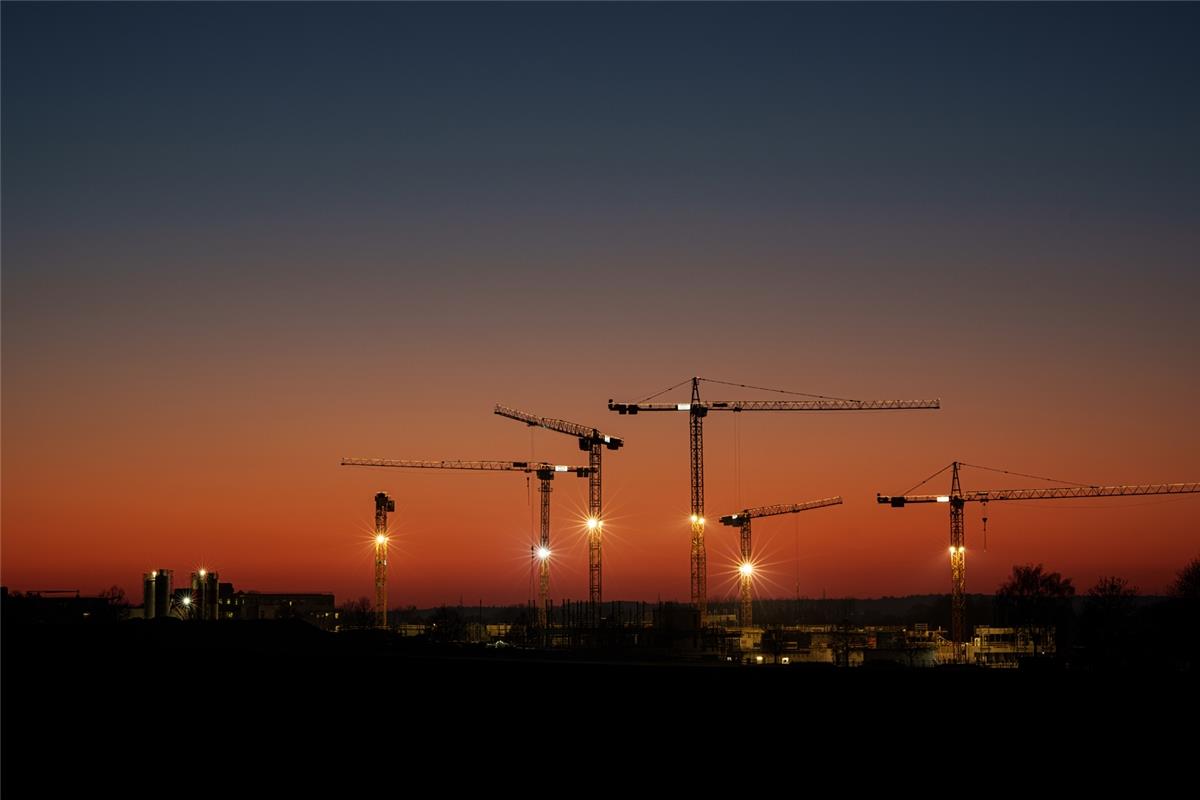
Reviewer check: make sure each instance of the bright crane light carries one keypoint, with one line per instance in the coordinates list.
(380, 538)
(593, 523)
(543, 553)
(187, 600)
(203, 572)
(746, 569)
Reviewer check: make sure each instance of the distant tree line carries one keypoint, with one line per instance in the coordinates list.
(1113, 627)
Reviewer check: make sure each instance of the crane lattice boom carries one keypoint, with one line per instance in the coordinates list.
(1049, 493)
(561, 426)
(507, 466)
(785, 508)
(778, 405)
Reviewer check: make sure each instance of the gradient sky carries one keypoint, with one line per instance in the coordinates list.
(243, 241)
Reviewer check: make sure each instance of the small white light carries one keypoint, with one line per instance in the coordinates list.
(543, 553)
(203, 572)
(695, 519)
(187, 601)
(943, 498)
(683, 407)
(607, 439)
(560, 468)
(747, 569)
(951, 549)
(380, 539)
(593, 523)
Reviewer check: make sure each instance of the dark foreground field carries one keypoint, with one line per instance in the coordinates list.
(250, 694)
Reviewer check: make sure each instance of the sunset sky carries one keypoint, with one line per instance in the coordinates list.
(243, 241)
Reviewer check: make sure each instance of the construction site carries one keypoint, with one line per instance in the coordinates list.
(725, 630)
(440, 393)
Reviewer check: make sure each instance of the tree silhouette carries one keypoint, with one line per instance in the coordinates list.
(1106, 622)
(407, 614)
(1184, 616)
(1113, 592)
(447, 625)
(1187, 582)
(358, 613)
(115, 596)
(1033, 600)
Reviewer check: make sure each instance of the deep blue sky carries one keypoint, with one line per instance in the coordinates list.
(381, 118)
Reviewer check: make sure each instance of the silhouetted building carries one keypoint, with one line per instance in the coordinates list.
(208, 598)
(55, 607)
(315, 608)
(226, 598)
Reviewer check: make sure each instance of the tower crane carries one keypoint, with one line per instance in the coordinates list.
(545, 473)
(697, 410)
(958, 498)
(746, 567)
(594, 442)
(383, 504)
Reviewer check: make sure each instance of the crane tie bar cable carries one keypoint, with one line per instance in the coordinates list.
(780, 391)
(1024, 475)
(664, 391)
(927, 480)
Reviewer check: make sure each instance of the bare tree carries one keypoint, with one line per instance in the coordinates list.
(358, 613)
(115, 596)
(1187, 582)
(1106, 621)
(1033, 600)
